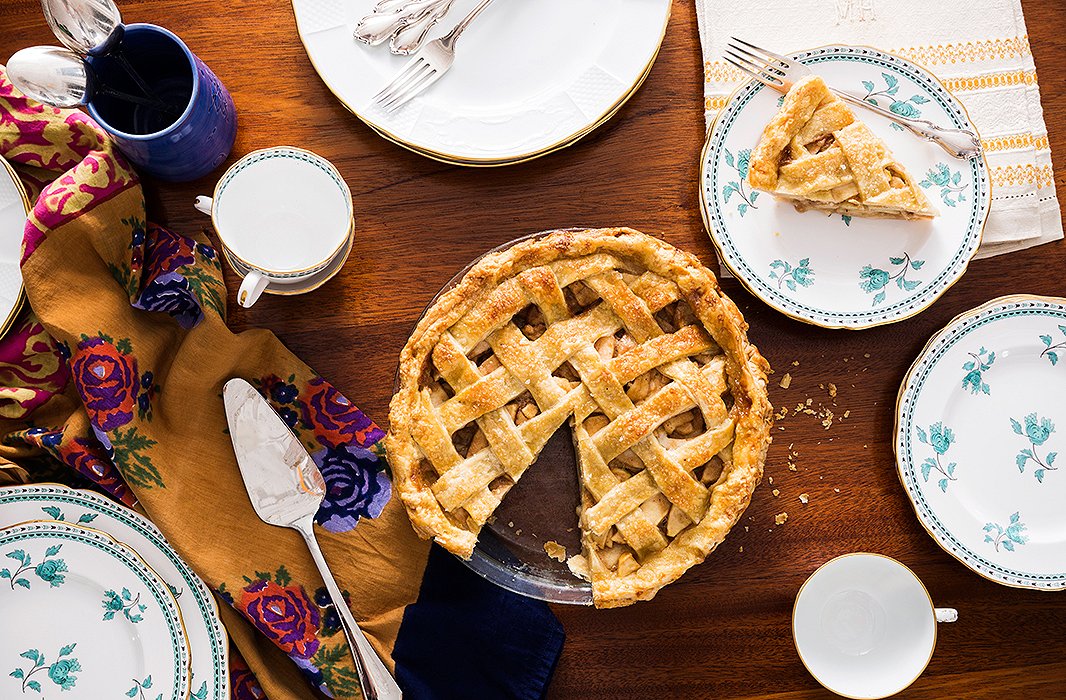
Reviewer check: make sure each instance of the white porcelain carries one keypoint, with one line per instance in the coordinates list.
(980, 422)
(284, 213)
(13, 210)
(865, 626)
(528, 76)
(208, 643)
(83, 613)
(846, 272)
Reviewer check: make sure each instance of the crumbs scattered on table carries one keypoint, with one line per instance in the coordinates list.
(786, 380)
(836, 490)
(555, 550)
(776, 493)
(804, 498)
(780, 518)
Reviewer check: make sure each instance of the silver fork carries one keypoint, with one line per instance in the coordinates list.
(779, 72)
(427, 66)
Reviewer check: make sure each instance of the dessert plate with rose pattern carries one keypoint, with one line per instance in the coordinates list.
(980, 425)
(84, 614)
(208, 644)
(846, 272)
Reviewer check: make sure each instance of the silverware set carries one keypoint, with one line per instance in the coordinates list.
(408, 22)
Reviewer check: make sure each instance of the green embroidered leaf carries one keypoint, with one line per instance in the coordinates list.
(54, 512)
(263, 576)
(944, 485)
(896, 261)
(1020, 460)
(951, 469)
(868, 85)
(927, 467)
(130, 447)
(67, 649)
(53, 550)
(919, 100)
(1054, 357)
(208, 288)
(1039, 474)
(34, 685)
(1007, 545)
(33, 655)
(879, 297)
(754, 196)
(22, 582)
(283, 578)
(890, 80)
(18, 555)
(921, 435)
(910, 285)
(87, 517)
(729, 158)
(791, 285)
(742, 208)
(1051, 457)
(5, 573)
(131, 692)
(124, 346)
(147, 682)
(17, 673)
(1016, 425)
(727, 191)
(1046, 339)
(917, 264)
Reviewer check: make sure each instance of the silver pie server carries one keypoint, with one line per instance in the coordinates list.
(286, 489)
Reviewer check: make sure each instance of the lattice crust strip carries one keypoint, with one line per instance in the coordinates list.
(648, 363)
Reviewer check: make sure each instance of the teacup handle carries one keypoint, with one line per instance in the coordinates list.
(204, 204)
(251, 289)
(946, 614)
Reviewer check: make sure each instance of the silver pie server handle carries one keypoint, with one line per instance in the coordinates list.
(960, 143)
(375, 680)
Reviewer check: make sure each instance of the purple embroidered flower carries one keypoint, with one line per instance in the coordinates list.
(334, 419)
(283, 393)
(288, 415)
(285, 615)
(167, 251)
(171, 294)
(356, 487)
(107, 382)
(206, 251)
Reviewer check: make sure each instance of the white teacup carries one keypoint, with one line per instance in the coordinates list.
(282, 215)
(865, 626)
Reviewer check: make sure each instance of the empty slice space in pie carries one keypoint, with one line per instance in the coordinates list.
(816, 154)
(627, 343)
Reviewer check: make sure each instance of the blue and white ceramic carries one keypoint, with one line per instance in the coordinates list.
(208, 643)
(85, 617)
(980, 423)
(182, 146)
(846, 272)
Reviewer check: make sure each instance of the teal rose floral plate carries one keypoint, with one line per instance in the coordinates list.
(208, 643)
(980, 424)
(846, 272)
(85, 617)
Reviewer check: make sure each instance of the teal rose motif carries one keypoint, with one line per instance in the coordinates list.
(1038, 431)
(113, 602)
(62, 672)
(51, 570)
(905, 109)
(940, 438)
(872, 279)
(743, 162)
(803, 276)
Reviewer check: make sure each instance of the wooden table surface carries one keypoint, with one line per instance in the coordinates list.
(723, 630)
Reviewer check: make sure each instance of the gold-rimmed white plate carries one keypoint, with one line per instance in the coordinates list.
(14, 207)
(530, 78)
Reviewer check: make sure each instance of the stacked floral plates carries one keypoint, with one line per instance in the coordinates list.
(529, 78)
(95, 602)
(14, 206)
(980, 423)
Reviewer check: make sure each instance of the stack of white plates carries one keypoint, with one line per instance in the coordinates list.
(96, 604)
(529, 78)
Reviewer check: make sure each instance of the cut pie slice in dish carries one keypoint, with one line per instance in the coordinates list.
(627, 340)
(815, 154)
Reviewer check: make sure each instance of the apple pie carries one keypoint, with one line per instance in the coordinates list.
(631, 343)
(815, 154)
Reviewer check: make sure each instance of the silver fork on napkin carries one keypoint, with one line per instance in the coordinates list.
(286, 489)
(427, 66)
(780, 72)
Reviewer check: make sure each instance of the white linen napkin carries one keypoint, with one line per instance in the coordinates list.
(978, 48)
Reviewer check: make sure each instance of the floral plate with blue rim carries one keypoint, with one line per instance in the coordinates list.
(846, 272)
(208, 643)
(980, 424)
(82, 612)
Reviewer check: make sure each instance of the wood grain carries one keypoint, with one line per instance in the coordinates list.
(723, 630)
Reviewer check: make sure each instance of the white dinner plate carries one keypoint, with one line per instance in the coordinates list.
(980, 424)
(528, 77)
(14, 207)
(207, 637)
(846, 272)
(85, 618)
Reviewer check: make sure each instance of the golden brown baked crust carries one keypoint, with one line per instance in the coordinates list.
(815, 154)
(633, 343)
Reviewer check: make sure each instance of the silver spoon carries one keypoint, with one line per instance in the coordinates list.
(91, 28)
(61, 78)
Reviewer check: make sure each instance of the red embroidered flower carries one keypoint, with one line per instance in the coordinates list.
(284, 614)
(334, 419)
(107, 382)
